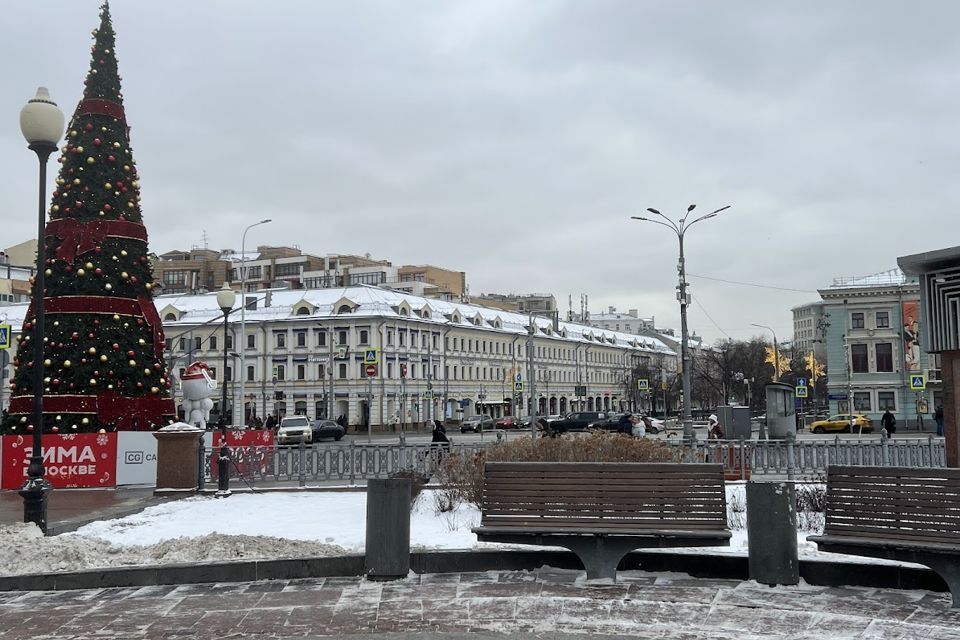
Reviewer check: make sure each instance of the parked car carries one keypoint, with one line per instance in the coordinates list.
(576, 421)
(327, 429)
(294, 429)
(653, 425)
(508, 422)
(610, 422)
(840, 423)
(476, 424)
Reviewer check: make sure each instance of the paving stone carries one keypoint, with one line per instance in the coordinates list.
(498, 589)
(491, 608)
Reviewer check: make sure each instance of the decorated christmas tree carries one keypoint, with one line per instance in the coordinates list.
(103, 353)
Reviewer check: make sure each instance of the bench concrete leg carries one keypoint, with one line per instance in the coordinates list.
(600, 555)
(949, 570)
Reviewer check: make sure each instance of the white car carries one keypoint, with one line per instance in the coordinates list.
(294, 429)
(651, 425)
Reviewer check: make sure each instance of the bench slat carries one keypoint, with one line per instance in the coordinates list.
(880, 473)
(590, 525)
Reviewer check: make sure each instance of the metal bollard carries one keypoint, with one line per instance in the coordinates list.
(772, 533)
(301, 472)
(387, 554)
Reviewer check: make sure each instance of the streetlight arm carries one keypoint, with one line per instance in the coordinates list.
(670, 226)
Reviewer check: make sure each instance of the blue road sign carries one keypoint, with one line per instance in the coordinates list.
(801, 382)
(5, 335)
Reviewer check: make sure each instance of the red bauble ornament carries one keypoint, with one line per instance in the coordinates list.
(90, 336)
(30, 428)
(68, 268)
(107, 207)
(75, 336)
(111, 159)
(131, 353)
(97, 249)
(96, 323)
(27, 326)
(55, 382)
(55, 429)
(98, 271)
(133, 279)
(139, 385)
(157, 366)
(97, 141)
(88, 127)
(139, 322)
(77, 204)
(115, 346)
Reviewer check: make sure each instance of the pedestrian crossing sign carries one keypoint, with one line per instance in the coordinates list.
(5, 336)
(370, 356)
(518, 385)
(643, 384)
(918, 381)
(801, 392)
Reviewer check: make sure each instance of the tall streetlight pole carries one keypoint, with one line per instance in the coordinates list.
(680, 228)
(776, 350)
(41, 123)
(226, 298)
(243, 319)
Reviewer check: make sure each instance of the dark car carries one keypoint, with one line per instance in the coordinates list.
(577, 421)
(609, 423)
(476, 424)
(327, 429)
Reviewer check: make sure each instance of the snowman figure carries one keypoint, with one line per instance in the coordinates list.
(197, 385)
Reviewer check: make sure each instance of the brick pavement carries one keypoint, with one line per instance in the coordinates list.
(546, 603)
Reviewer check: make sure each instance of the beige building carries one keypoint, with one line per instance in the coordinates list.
(191, 271)
(450, 285)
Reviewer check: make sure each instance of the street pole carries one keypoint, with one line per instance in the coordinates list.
(531, 375)
(41, 123)
(776, 351)
(330, 402)
(680, 229)
(225, 300)
(369, 406)
(243, 321)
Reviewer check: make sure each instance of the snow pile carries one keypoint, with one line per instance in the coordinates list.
(26, 550)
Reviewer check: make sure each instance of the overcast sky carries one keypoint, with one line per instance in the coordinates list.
(513, 140)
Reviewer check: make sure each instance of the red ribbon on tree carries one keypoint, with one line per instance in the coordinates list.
(83, 236)
(123, 412)
(100, 107)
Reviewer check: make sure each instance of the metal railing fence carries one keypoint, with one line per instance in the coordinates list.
(352, 462)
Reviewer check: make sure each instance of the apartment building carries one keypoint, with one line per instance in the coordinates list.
(874, 345)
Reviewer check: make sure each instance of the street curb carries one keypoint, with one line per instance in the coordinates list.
(719, 566)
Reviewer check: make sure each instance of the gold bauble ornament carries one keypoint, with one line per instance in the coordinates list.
(81, 272)
(146, 372)
(116, 317)
(103, 358)
(132, 363)
(55, 208)
(91, 160)
(92, 381)
(73, 133)
(89, 265)
(47, 362)
(148, 286)
(85, 421)
(154, 390)
(76, 181)
(108, 186)
(123, 252)
(92, 351)
(108, 287)
(67, 364)
(79, 149)
(124, 275)
(142, 341)
(48, 272)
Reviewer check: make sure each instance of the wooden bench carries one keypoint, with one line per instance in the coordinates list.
(898, 513)
(602, 511)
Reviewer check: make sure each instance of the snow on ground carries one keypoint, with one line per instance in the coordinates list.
(271, 525)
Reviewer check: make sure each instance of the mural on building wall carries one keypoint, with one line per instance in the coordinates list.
(911, 335)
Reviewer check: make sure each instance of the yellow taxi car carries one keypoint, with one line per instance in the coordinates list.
(840, 423)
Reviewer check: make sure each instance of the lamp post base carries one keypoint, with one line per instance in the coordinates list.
(35, 494)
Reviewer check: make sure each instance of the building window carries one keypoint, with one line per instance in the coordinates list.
(251, 341)
(251, 372)
(402, 337)
(342, 370)
(229, 372)
(858, 358)
(213, 343)
(364, 336)
(321, 372)
(281, 340)
(886, 400)
(390, 338)
(856, 320)
(301, 338)
(883, 319)
(281, 370)
(389, 370)
(322, 339)
(342, 338)
(229, 341)
(861, 401)
(884, 352)
(301, 372)
(292, 269)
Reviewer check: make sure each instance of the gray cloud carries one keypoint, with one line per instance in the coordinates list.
(513, 140)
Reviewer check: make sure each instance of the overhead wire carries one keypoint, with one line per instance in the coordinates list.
(751, 284)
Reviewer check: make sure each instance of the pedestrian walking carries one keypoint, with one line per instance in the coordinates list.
(938, 418)
(715, 430)
(889, 422)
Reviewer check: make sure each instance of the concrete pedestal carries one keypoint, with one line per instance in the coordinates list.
(388, 528)
(772, 532)
(178, 447)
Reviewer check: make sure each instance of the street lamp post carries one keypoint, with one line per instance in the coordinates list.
(243, 318)
(680, 228)
(226, 298)
(776, 351)
(41, 123)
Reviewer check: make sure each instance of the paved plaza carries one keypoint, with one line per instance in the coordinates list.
(548, 603)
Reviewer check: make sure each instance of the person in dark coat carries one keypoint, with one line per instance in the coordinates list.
(889, 422)
(624, 425)
(938, 418)
(271, 423)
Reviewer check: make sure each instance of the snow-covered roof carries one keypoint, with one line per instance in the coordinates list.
(890, 277)
(374, 302)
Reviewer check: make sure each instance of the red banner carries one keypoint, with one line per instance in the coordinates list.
(246, 449)
(80, 460)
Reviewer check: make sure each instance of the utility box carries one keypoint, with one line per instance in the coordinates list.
(772, 532)
(178, 451)
(735, 422)
(781, 411)
(388, 528)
